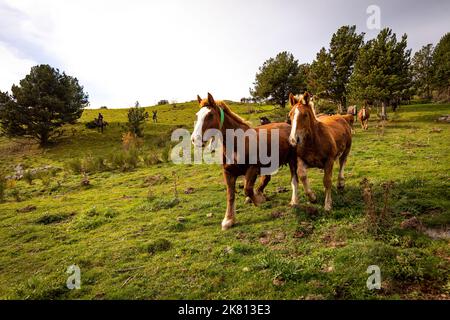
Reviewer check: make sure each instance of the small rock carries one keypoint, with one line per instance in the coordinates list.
(228, 250)
(411, 223)
(210, 215)
(245, 269)
(278, 282)
(189, 190)
(181, 219)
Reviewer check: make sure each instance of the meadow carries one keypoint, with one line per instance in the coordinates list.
(151, 230)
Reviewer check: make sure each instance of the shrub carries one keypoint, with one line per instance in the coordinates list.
(15, 193)
(28, 177)
(74, 165)
(131, 141)
(165, 154)
(151, 159)
(136, 119)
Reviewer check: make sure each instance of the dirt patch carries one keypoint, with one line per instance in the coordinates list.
(437, 233)
(26, 209)
(154, 180)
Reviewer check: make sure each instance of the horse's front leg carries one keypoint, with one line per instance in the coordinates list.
(250, 178)
(294, 182)
(229, 220)
(301, 170)
(327, 182)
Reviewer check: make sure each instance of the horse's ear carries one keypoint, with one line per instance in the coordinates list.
(292, 100)
(306, 98)
(199, 99)
(211, 101)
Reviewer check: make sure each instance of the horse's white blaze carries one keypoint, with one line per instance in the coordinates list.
(196, 136)
(293, 135)
(364, 113)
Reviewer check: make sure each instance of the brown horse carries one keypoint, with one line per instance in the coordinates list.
(217, 115)
(319, 142)
(350, 118)
(363, 116)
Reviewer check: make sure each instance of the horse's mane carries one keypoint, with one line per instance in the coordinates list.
(310, 103)
(231, 114)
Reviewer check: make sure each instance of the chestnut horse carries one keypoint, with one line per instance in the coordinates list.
(217, 115)
(363, 116)
(350, 118)
(319, 142)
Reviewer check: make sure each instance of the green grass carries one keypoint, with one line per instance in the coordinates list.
(133, 239)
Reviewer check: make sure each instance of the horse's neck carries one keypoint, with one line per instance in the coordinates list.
(314, 130)
(230, 123)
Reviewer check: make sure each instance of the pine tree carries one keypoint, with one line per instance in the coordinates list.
(44, 101)
(277, 77)
(381, 72)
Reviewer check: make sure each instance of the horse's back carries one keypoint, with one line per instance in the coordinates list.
(339, 128)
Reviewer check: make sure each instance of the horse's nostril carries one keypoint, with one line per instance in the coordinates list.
(298, 139)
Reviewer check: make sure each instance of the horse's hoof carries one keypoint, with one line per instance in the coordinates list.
(259, 198)
(327, 208)
(293, 204)
(341, 186)
(227, 224)
(247, 200)
(312, 198)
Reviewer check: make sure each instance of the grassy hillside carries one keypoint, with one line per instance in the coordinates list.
(134, 238)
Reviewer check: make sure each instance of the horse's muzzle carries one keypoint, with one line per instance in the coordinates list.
(294, 140)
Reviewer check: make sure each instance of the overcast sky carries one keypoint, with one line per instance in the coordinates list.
(123, 51)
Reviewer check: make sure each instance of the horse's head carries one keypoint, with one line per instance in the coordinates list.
(208, 117)
(302, 116)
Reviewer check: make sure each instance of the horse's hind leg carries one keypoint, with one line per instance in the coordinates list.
(250, 178)
(229, 219)
(301, 170)
(264, 181)
(327, 181)
(342, 163)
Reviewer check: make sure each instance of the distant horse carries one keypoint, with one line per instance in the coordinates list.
(217, 115)
(264, 120)
(100, 122)
(155, 116)
(319, 141)
(363, 116)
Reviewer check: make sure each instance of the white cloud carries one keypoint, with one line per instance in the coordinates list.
(13, 68)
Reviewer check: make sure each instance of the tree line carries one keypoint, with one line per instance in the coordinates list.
(377, 72)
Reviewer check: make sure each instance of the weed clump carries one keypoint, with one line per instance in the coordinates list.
(377, 221)
(158, 245)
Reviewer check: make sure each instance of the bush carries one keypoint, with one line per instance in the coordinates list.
(125, 160)
(151, 159)
(136, 119)
(74, 165)
(131, 141)
(28, 177)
